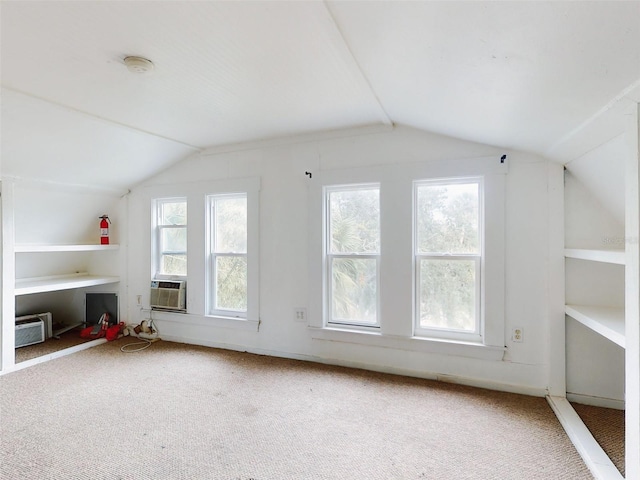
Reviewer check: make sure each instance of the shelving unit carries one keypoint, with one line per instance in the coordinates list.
(609, 322)
(54, 283)
(51, 254)
(601, 293)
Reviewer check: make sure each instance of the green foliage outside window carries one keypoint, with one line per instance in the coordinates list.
(447, 222)
(231, 283)
(230, 247)
(173, 238)
(354, 229)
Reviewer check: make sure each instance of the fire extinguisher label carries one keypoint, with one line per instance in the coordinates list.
(104, 232)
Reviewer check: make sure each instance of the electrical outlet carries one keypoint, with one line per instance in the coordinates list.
(517, 335)
(300, 314)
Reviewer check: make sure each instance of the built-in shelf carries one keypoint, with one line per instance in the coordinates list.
(607, 321)
(26, 286)
(605, 256)
(36, 248)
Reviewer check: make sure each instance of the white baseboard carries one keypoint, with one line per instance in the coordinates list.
(596, 401)
(471, 382)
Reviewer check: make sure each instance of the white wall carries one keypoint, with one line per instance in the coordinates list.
(284, 254)
(3, 294)
(46, 213)
(602, 173)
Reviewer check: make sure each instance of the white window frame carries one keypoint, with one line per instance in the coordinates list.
(329, 257)
(159, 228)
(212, 256)
(251, 188)
(449, 333)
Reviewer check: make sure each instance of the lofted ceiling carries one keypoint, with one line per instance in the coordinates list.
(521, 75)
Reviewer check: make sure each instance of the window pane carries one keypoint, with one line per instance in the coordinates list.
(447, 218)
(173, 264)
(231, 283)
(448, 294)
(354, 290)
(354, 221)
(231, 225)
(174, 240)
(173, 213)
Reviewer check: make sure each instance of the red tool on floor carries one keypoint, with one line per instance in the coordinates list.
(102, 329)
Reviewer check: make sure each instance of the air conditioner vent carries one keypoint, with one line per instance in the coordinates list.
(168, 294)
(29, 332)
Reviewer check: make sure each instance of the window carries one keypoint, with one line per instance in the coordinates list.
(171, 240)
(447, 251)
(228, 267)
(352, 226)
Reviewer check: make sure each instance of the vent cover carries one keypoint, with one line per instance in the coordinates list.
(29, 332)
(168, 294)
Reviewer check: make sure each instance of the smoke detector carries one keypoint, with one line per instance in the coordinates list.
(138, 64)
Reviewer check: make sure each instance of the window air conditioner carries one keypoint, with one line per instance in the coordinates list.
(32, 329)
(168, 294)
(46, 317)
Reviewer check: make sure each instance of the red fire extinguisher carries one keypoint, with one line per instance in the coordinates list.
(104, 230)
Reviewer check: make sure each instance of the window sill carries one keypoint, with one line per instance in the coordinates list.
(232, 322)
(207, 320)
(415, 344)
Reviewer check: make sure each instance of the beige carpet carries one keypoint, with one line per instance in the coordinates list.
(607, 427)
(181, 412)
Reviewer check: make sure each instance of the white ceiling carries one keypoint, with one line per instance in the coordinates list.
(521, 75)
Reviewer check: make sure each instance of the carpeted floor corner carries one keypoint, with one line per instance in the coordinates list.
(607, 427)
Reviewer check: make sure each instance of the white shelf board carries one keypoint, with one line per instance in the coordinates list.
(26, 286)
(607, 321)
(36, 248)
(605, 256)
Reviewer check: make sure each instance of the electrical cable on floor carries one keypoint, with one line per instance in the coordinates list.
(143, 341)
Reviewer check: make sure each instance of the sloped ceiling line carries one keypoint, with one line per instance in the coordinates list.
(68, 187)
(388, 121)
(101, 119)
(627, 96)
